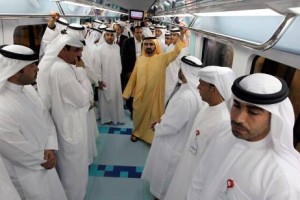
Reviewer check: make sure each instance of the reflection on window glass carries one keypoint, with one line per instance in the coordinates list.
(30, 36)
(292, 78)
(216, 53)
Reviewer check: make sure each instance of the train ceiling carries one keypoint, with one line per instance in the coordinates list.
(165, 7)
(155, 7)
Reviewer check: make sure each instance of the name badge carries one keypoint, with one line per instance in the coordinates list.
(194, 147)
(194, 144)
(230, 185)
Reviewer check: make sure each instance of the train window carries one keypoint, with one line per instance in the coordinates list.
(292, 77)
(30, 36)
(216, 53)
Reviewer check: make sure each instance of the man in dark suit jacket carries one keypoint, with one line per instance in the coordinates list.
(119, 38)
(130, 50)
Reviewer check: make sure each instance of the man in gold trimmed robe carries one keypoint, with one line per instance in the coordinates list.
(147, 87)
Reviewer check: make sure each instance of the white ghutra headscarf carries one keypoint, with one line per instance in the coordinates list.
(271, 94)
(222, 78)
(13, 58)
(51, 54)
(191, 67)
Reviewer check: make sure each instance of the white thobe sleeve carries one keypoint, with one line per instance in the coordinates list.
(93, 77)
(74, 89)
(96, 61)
(90, 71)
(17, 149)
(52, 137)
(174, 119)
(48, 36)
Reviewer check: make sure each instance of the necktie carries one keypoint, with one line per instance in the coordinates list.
(118, 40)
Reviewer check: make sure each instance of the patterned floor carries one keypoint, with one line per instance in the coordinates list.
(116, 171)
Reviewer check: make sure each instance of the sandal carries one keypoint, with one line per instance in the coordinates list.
(133, 138)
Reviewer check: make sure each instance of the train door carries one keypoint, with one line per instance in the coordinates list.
(292, 77)
(216, 53)
(29, 35)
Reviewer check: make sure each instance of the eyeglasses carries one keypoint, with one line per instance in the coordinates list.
(148, 44)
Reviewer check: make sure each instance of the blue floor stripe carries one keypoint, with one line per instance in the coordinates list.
(114, 130)
(103, 129)
(115, 171)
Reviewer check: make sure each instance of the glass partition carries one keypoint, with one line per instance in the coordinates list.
(27, 7)
(255, 28)
(72, 9)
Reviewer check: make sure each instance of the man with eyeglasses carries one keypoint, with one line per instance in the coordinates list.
(147, 87)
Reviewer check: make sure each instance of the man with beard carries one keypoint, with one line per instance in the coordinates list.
(64, 88)
(27, 134)
(256, 158)
(107, 62)
(172, 131)
(160, 35)
(147, 87)
(215, 90)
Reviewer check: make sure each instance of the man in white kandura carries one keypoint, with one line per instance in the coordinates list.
(64, 87)
(172, 132)
(91, 40)
(215, 90)
(168, 40)
(256, 159)
(173, 67)
(160, 36)
(54, 26)
(92, 126)
(27, 134)
(107, 61)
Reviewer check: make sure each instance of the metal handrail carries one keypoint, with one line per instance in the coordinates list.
(284, 25)
(188, 6)
(61, 10)
(12, 15)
